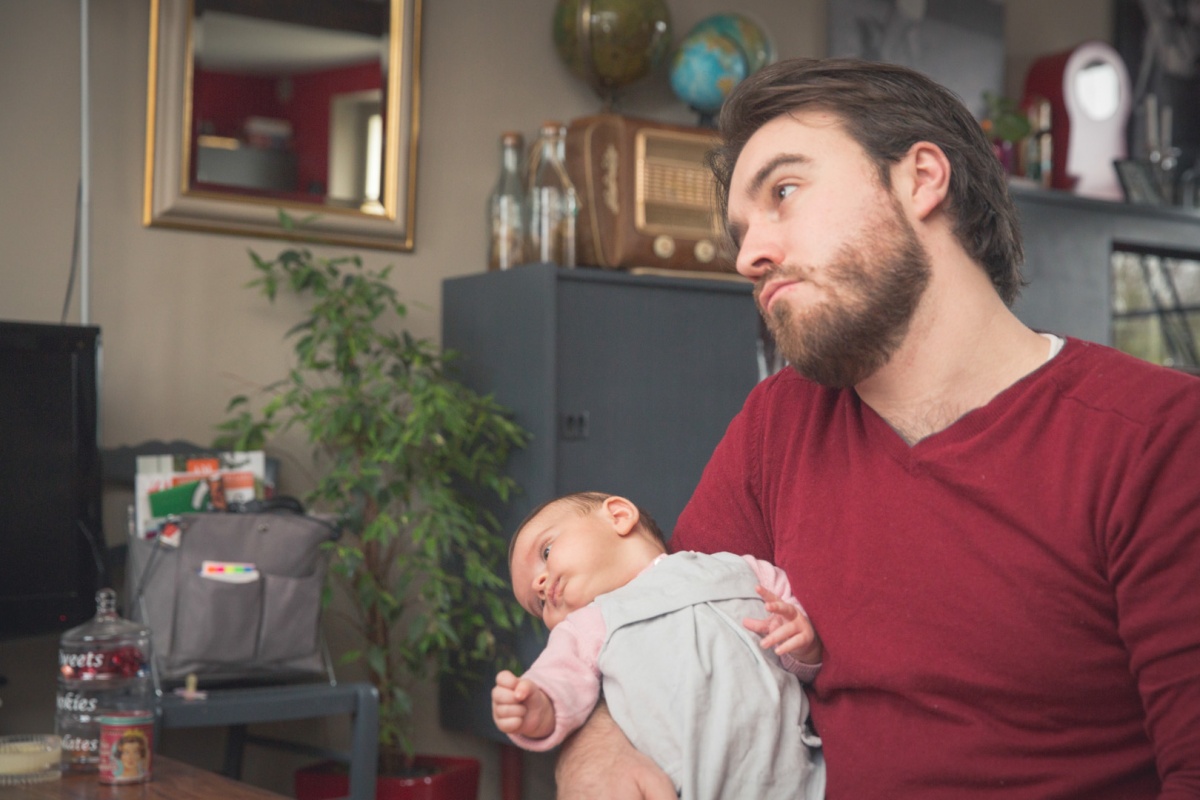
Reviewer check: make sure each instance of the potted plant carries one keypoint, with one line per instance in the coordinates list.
(1007, 125)
(406, 457)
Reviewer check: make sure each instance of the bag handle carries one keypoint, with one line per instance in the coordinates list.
(285, 504)
(282, 503)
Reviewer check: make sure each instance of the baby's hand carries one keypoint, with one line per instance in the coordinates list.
(520, 707)
(786, 629)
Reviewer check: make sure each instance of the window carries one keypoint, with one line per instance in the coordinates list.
(1156, 304)
(356, 149)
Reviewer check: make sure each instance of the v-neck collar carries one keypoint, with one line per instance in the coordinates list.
(967, 426)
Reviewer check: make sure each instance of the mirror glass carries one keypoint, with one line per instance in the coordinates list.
(1098, 89)
(258, 106)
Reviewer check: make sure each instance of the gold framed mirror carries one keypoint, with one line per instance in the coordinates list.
(257, 106)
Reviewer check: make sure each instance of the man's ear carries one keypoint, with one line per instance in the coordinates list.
(622, 513)
(925, 178)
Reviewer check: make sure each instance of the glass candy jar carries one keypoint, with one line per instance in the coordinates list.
(103, 667)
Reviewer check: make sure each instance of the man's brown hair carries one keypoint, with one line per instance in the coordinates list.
(887, 109)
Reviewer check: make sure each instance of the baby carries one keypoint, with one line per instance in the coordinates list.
(673, 641)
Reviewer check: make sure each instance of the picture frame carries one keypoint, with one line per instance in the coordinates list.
(1139, 182)
(174, 193)
(959, 44)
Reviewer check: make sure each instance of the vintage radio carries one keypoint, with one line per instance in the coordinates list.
(646, 197)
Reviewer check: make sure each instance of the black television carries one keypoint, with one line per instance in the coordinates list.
(51, 540)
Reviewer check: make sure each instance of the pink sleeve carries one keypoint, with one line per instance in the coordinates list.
(775, 580)
(566, 671)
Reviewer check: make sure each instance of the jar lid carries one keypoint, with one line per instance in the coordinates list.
(126, 717)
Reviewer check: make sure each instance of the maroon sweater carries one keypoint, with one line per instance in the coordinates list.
(1010, 608)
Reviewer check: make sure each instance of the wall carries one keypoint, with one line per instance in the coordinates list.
(1034, 29)
(180, 333)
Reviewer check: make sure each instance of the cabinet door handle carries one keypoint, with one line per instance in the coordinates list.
(573, 425)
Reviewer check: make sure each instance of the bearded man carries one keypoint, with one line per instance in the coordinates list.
(995, 530)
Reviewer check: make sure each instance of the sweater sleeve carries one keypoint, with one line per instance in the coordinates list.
(1152, 543)
(567, 672)
(775, 580)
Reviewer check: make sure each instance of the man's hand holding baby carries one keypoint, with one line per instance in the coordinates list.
(521, 708)
(786, 629)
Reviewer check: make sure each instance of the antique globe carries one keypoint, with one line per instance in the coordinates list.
(747, 34)
(715, 55)
(612, 43)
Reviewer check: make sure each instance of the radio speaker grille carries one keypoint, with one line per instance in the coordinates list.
(675, 189)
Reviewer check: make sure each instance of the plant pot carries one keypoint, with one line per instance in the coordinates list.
(450, 779)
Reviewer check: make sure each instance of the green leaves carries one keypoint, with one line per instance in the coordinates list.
(404, 453)
(1005, 120)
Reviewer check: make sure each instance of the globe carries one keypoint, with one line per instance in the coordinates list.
(715, 56)
(745, 33)
(612, 43)
(706, 68)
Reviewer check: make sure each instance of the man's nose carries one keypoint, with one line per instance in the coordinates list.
(758, 252)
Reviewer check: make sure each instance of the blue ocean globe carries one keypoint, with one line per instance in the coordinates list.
(745, 33)
(706, 67)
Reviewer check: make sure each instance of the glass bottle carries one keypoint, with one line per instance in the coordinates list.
(103, 667)
(506, 207)
(553, 204)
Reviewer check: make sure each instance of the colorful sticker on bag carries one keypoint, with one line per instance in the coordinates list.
(229, 571)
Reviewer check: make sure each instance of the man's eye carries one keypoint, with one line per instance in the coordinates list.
(783, 191)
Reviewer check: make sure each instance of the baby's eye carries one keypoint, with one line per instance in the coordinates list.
(545, 552)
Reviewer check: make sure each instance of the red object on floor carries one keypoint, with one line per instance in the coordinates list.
(510, 772)
(453, 779)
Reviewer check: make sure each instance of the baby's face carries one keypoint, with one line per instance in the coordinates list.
(563, 560)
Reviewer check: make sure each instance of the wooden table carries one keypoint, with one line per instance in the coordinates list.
(173, 780)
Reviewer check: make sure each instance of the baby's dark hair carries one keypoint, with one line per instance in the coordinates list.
(586, 503)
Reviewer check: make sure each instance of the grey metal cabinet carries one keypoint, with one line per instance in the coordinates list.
(626, 383)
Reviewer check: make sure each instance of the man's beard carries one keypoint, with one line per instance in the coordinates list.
(874, 285)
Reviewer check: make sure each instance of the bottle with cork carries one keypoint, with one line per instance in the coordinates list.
(506, 207)
(553, 203)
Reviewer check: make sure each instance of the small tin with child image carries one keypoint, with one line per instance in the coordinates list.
(126, 739)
